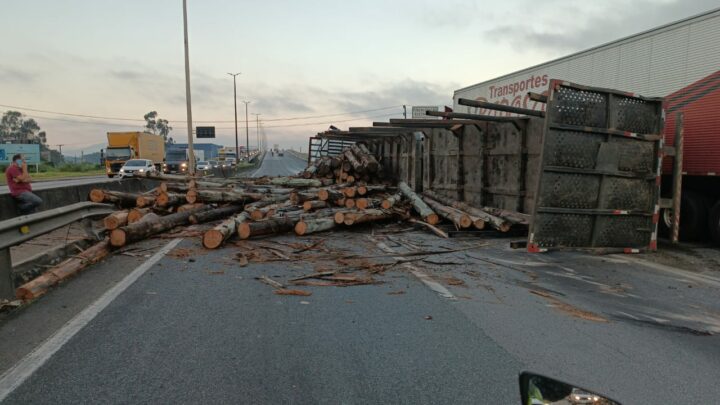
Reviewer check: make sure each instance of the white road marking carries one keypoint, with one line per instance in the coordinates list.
(422, 276)
(25, 368)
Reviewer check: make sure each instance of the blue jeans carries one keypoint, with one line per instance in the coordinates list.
(28, 202)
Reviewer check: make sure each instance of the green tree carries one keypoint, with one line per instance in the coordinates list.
(158, 126)
(15, 128)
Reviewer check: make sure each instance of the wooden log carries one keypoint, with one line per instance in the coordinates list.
(390, 201)
(313, 205)
(214, 214)
(367, 161)
(425, 212)
(339, 217)
(349, 191)
(343, 175)
(118, 198)
(510, 216)
(350, 203)
(136, 214)
(366, 189)
(357, 166)
(214, 238)
(188, 207)
(366, 203)
(354, 218)
(328, 194)
(62, 271)
(459, 218)
(266, 227)
(145, 201)
(299, 197)
(144, 228)
(215, 196)
(115, 220)
(496, 222)
(295, 182)
(307, 226)
(350, 179)
(346, 166)
(373, 166)
(164, 177)
(340, 202)
(219, 183)
(166, 186)
(164, 199)
(309, 172)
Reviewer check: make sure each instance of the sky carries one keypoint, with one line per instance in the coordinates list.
(304, 65)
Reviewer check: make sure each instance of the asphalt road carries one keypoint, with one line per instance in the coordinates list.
(287, 165)
(39, 185)
(198, 327)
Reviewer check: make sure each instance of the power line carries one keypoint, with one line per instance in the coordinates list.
(198, 121)
(221, 128)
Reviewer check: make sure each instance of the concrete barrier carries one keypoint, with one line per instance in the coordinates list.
(61, 196)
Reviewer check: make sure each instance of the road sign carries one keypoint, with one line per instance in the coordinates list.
(418, 112)
(205, 132)
(31, 152)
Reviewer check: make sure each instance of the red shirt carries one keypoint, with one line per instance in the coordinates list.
(15, 188)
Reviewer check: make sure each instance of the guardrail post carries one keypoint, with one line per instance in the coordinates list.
(7, 287)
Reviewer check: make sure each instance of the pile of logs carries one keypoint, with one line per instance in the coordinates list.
(333, 192)
(356, 163)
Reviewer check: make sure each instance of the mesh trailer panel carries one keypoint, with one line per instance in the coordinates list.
(600, 163)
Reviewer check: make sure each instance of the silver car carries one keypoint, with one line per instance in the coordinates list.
(137, 166)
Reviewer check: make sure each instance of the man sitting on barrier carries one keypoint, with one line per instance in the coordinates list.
(18, 181)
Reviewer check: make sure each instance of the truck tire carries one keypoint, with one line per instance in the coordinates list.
(111, 175)
(714, 223)
(694, 210)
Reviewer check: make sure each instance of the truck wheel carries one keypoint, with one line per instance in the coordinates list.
(694, 209)
(715, 223)
(111, 175)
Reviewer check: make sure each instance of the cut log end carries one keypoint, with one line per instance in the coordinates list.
(362, 190)
(349, 203)
(323, 195)
(301, 228)
(480, 224)
(212, 239)
(386, 204)
(244, 230)
(190, 196)
(432, 219)
(256, 215)
(339, 217)
(117, 237)
(97, 195)
(505, 227)
(307, 205)
(350, 179)
(465, 221)
(361, 203)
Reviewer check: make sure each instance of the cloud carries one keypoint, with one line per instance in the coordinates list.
(8, 74)
(561, 28)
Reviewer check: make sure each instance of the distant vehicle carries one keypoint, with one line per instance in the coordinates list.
(225, 154)
(213, 164)
(137, 166)
(578, 397)
(177, 159)
(123, 146)
(229, 162)
(204, 165)
(281, 153)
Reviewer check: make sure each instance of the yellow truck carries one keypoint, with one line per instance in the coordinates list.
(123, 146)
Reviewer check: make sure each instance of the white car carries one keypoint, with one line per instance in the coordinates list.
(204, 165)
(137, 166)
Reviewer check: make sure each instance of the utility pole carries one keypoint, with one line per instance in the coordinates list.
(404, 111)
(191, 152)
(257, 129)
(237, 146)
(247, 132)
(60, 146)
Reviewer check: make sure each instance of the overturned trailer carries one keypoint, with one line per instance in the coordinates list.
(584, 174)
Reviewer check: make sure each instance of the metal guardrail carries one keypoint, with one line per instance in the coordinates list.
(23, 228)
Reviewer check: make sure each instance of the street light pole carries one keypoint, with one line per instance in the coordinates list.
(237, 146)
(257, 129)
(191, 152)
(247, 131)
